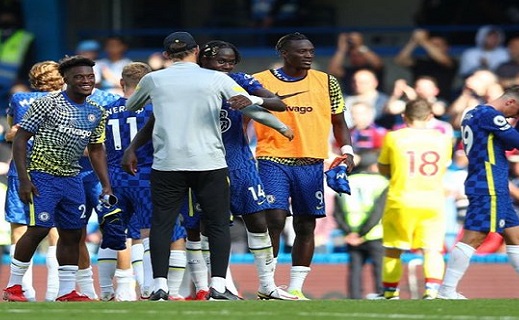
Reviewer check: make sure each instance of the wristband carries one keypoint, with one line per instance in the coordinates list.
(256, 100)
(347, 149)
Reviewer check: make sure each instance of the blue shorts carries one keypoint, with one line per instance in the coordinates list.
(15, 210)
(133, 231)
(247, 191)
(93, 190)
(136, 202)
(191, 213)
(490, 214)
(300, 187)
(61, 202)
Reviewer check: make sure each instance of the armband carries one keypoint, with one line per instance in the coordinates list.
(347, 149)
(256, 100)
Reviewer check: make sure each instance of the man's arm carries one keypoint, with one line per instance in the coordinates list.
(97, 155)
(270, 100)
(375, 214)
(340, 217)
(266, 118)
(26, 189)
(129, 160)
(384, 169)
(342, 135)
(404, 58)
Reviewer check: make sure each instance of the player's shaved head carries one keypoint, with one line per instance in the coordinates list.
(512, 92)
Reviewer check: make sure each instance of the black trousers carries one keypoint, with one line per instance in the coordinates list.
(359, 255)
(169, 190)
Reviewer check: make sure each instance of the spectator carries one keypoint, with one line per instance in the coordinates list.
(365, 85)
(508, 72)
(437, 63)
(17, 54)
(110, 67)
(88, 49)
(358, 216)
(157, 61)
(488, 53)
(351, 46)
(365, 134)
(480, 87)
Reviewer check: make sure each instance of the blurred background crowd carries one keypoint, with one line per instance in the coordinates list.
(453, 53)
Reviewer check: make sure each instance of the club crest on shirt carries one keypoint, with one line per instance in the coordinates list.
(43, 216)
(225, 122)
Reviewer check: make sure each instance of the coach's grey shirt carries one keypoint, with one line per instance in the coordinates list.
(186, 103)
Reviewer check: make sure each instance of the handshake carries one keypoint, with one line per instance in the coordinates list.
(111, 223)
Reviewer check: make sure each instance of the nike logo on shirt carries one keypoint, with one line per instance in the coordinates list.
(289, 95)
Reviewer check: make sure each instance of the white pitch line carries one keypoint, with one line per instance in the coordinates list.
(228, 312)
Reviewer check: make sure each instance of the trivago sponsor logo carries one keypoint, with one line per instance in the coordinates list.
(298, 109)
(75, 131)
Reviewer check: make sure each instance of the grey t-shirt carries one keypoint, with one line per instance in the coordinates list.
(186, 103)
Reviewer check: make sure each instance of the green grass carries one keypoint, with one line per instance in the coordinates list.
(478, 309)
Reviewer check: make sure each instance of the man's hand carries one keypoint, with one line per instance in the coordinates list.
(9, 136)
(347, 159)
(129, 161)
(239, 102)
(27, 190)
(289, 134)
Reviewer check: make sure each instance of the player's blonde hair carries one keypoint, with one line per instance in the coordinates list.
(418, 109)
(134, 71)
(45, 76)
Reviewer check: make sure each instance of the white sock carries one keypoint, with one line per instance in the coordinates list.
(125, 285)
(513, 256)
(297, 277)
(274, 264)
(18, 270)
(196, 265)
(218, 283)
(147, 269)
(261, 247)
(205, 252)
(67, 279)
(229, 281)
(456, 266)
(177, 266)
(52, 274)
(26, 281)
(106, 265)
(137, 253)
(85, 282)
(187, 287)
(160, 283)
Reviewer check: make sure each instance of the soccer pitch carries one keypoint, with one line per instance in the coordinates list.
(478, 309)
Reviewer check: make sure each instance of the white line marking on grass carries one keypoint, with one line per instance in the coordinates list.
(245, 314)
